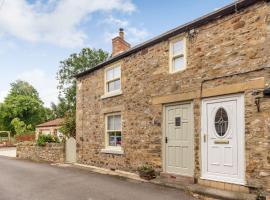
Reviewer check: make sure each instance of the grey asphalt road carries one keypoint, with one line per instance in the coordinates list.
(25, 180)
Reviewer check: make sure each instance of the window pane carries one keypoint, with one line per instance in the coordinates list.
(112, 139)
(118, 141)
(178, 47)
(117, 84)
(221, 122)
(117, 72)
(115, 139)
(111, 86)
(117, 122)
(178, 63)
(109, 75)
(110, 123)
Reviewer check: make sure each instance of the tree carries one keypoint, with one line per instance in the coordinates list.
(20, 127)
(23, 88)
(22, 102)
(73, 65)
(59, 110)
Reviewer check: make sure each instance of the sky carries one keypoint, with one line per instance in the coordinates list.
(35, 35)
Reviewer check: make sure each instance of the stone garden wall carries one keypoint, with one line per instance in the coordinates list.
(52, 152)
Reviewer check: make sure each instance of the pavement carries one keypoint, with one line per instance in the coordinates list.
(8, 151)
(26, 180)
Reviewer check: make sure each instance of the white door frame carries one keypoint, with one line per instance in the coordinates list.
(240, 141)
(164, 134)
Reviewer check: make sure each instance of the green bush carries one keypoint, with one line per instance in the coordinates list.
(43, 139)
(69, 125)
(20, 127)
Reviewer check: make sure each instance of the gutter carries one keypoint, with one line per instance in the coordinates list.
(227, 10)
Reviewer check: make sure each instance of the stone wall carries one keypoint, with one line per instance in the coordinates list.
(231, 54)
(52, 152)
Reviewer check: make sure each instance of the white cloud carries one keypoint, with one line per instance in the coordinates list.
(55, 22)
(134, 35)
(45, 84)
(114, 21)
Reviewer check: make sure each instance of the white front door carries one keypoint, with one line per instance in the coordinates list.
(179, 139)
(223, 139)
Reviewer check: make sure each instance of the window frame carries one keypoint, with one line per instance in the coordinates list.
(181, 55)
(107, 145)
(106, 82)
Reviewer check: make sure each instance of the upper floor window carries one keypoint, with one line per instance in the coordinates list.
(177, 55)
(113, 79)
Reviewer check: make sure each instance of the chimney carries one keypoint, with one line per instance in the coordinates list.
(119, 44)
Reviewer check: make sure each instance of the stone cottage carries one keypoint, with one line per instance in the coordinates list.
(192, 103)
(51, 127)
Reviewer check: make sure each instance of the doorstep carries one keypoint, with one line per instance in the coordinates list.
(177, 179)
(204, 192)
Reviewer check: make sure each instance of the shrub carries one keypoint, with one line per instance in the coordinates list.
(69, 125)
(20, 127)
(147, 172)
(43, 139)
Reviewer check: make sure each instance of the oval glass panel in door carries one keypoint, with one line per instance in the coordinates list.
(221, 122)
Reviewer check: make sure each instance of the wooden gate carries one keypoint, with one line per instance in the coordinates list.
(71, 150)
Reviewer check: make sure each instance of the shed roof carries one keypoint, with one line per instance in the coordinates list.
(52, 123)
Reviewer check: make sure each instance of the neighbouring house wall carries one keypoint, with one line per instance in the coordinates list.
(50, 153)
(237, 44)
(52, 130)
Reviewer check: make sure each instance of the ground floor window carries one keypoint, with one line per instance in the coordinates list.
(114, 130)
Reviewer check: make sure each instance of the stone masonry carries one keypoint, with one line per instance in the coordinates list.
(52, 152)
(230, 54)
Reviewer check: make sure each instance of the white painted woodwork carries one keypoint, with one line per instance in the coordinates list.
(223, 156)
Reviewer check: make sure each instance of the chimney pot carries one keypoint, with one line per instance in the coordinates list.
(121, 33)
(119, 44)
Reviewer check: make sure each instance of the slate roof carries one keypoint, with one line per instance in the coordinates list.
(226, 10)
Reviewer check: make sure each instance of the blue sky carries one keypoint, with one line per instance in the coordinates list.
(36, 34)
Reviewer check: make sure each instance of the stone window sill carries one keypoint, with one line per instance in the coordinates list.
(112, 94)
(118, 151)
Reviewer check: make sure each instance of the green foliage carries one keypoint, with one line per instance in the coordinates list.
(49, 114)
(69, 126)
(147, 172)
(22, 102)
(22, 88)
(43, 139)
(76, 63)
(60, 109)
(20, 127)
(145, 168)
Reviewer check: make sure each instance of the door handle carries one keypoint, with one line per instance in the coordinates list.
(204, 137)
(166, 139)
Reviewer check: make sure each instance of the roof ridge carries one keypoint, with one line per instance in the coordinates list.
(224, 11)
